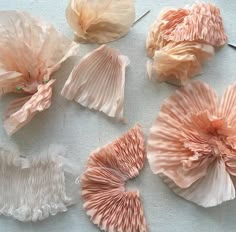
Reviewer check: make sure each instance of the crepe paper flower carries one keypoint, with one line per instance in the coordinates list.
(181, 39)
(192, 144)
(168, 18)
(176, 63)
(30, 52)
(106, 201)
(100, 21)
(33, 189)
(97, 82)
(203, 24)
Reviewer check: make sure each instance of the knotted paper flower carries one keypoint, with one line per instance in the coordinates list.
(106, 201)
(30, 52)
(192, 144)
(100, 21)
(181, 39)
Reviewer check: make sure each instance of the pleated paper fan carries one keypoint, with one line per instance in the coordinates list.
(197, 161)
(98, 81)
(126, 154)
(106, 202)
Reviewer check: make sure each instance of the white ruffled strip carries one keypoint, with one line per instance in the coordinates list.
(97, 82)
(33, 189)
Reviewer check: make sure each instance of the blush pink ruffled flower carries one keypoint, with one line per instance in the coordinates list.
(31, 51)
(106, 201)
(198, 162)
(180, 40)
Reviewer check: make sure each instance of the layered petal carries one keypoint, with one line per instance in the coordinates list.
(203, 24)
(100, 22)
(168, 19)
(32, 48)
(107, 203)
(21, 111)
(167, 150)
(176, 63)
(97, 82)
(33, 189)
(126, 154)
(211, 190)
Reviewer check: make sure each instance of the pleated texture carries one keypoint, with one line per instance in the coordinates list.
(198, 161)
(32, 189)
(176, 63)
(100, 21)
(31, 50)
(22, 110)
(180, 40)
(106, 201)
(98, 81)
(203, 23)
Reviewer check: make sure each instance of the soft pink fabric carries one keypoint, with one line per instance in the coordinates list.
(98, 81)
(31, 51)
(180, 40)
(106, 201)
(192, 135)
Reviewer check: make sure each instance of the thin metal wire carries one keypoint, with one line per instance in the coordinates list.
(142, 16)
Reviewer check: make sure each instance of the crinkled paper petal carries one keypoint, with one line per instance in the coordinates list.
(211, 190)
(32, 48)
(22, 110)
(100, 21)
(176, 63)
(107, 203)
(166, 151)
(33, 189)
(168, 18)
(203, 24)
(126, 154)
(98, 81)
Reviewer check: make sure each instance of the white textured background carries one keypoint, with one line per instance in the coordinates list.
(81, 130)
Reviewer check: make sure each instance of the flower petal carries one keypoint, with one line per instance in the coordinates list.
(100, 21)
(166, 150)
(23, 110)
(108, 204)
(176, 63)
(126, 154)
(97, 82)
(203, 23)
(32, 48)
(211, 190)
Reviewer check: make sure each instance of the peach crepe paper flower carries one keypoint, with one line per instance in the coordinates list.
(197, 161)
(194, 31)
(106, 201)
(100, 21)
(175, 63)
(98, 81)
(30, 52)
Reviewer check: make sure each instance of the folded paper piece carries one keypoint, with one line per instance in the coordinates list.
(30, 52)
(197, 162)
(33, 189)
(106, 201)
(176, 63)
(100, 21)
(181, 39)
(98, 81)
